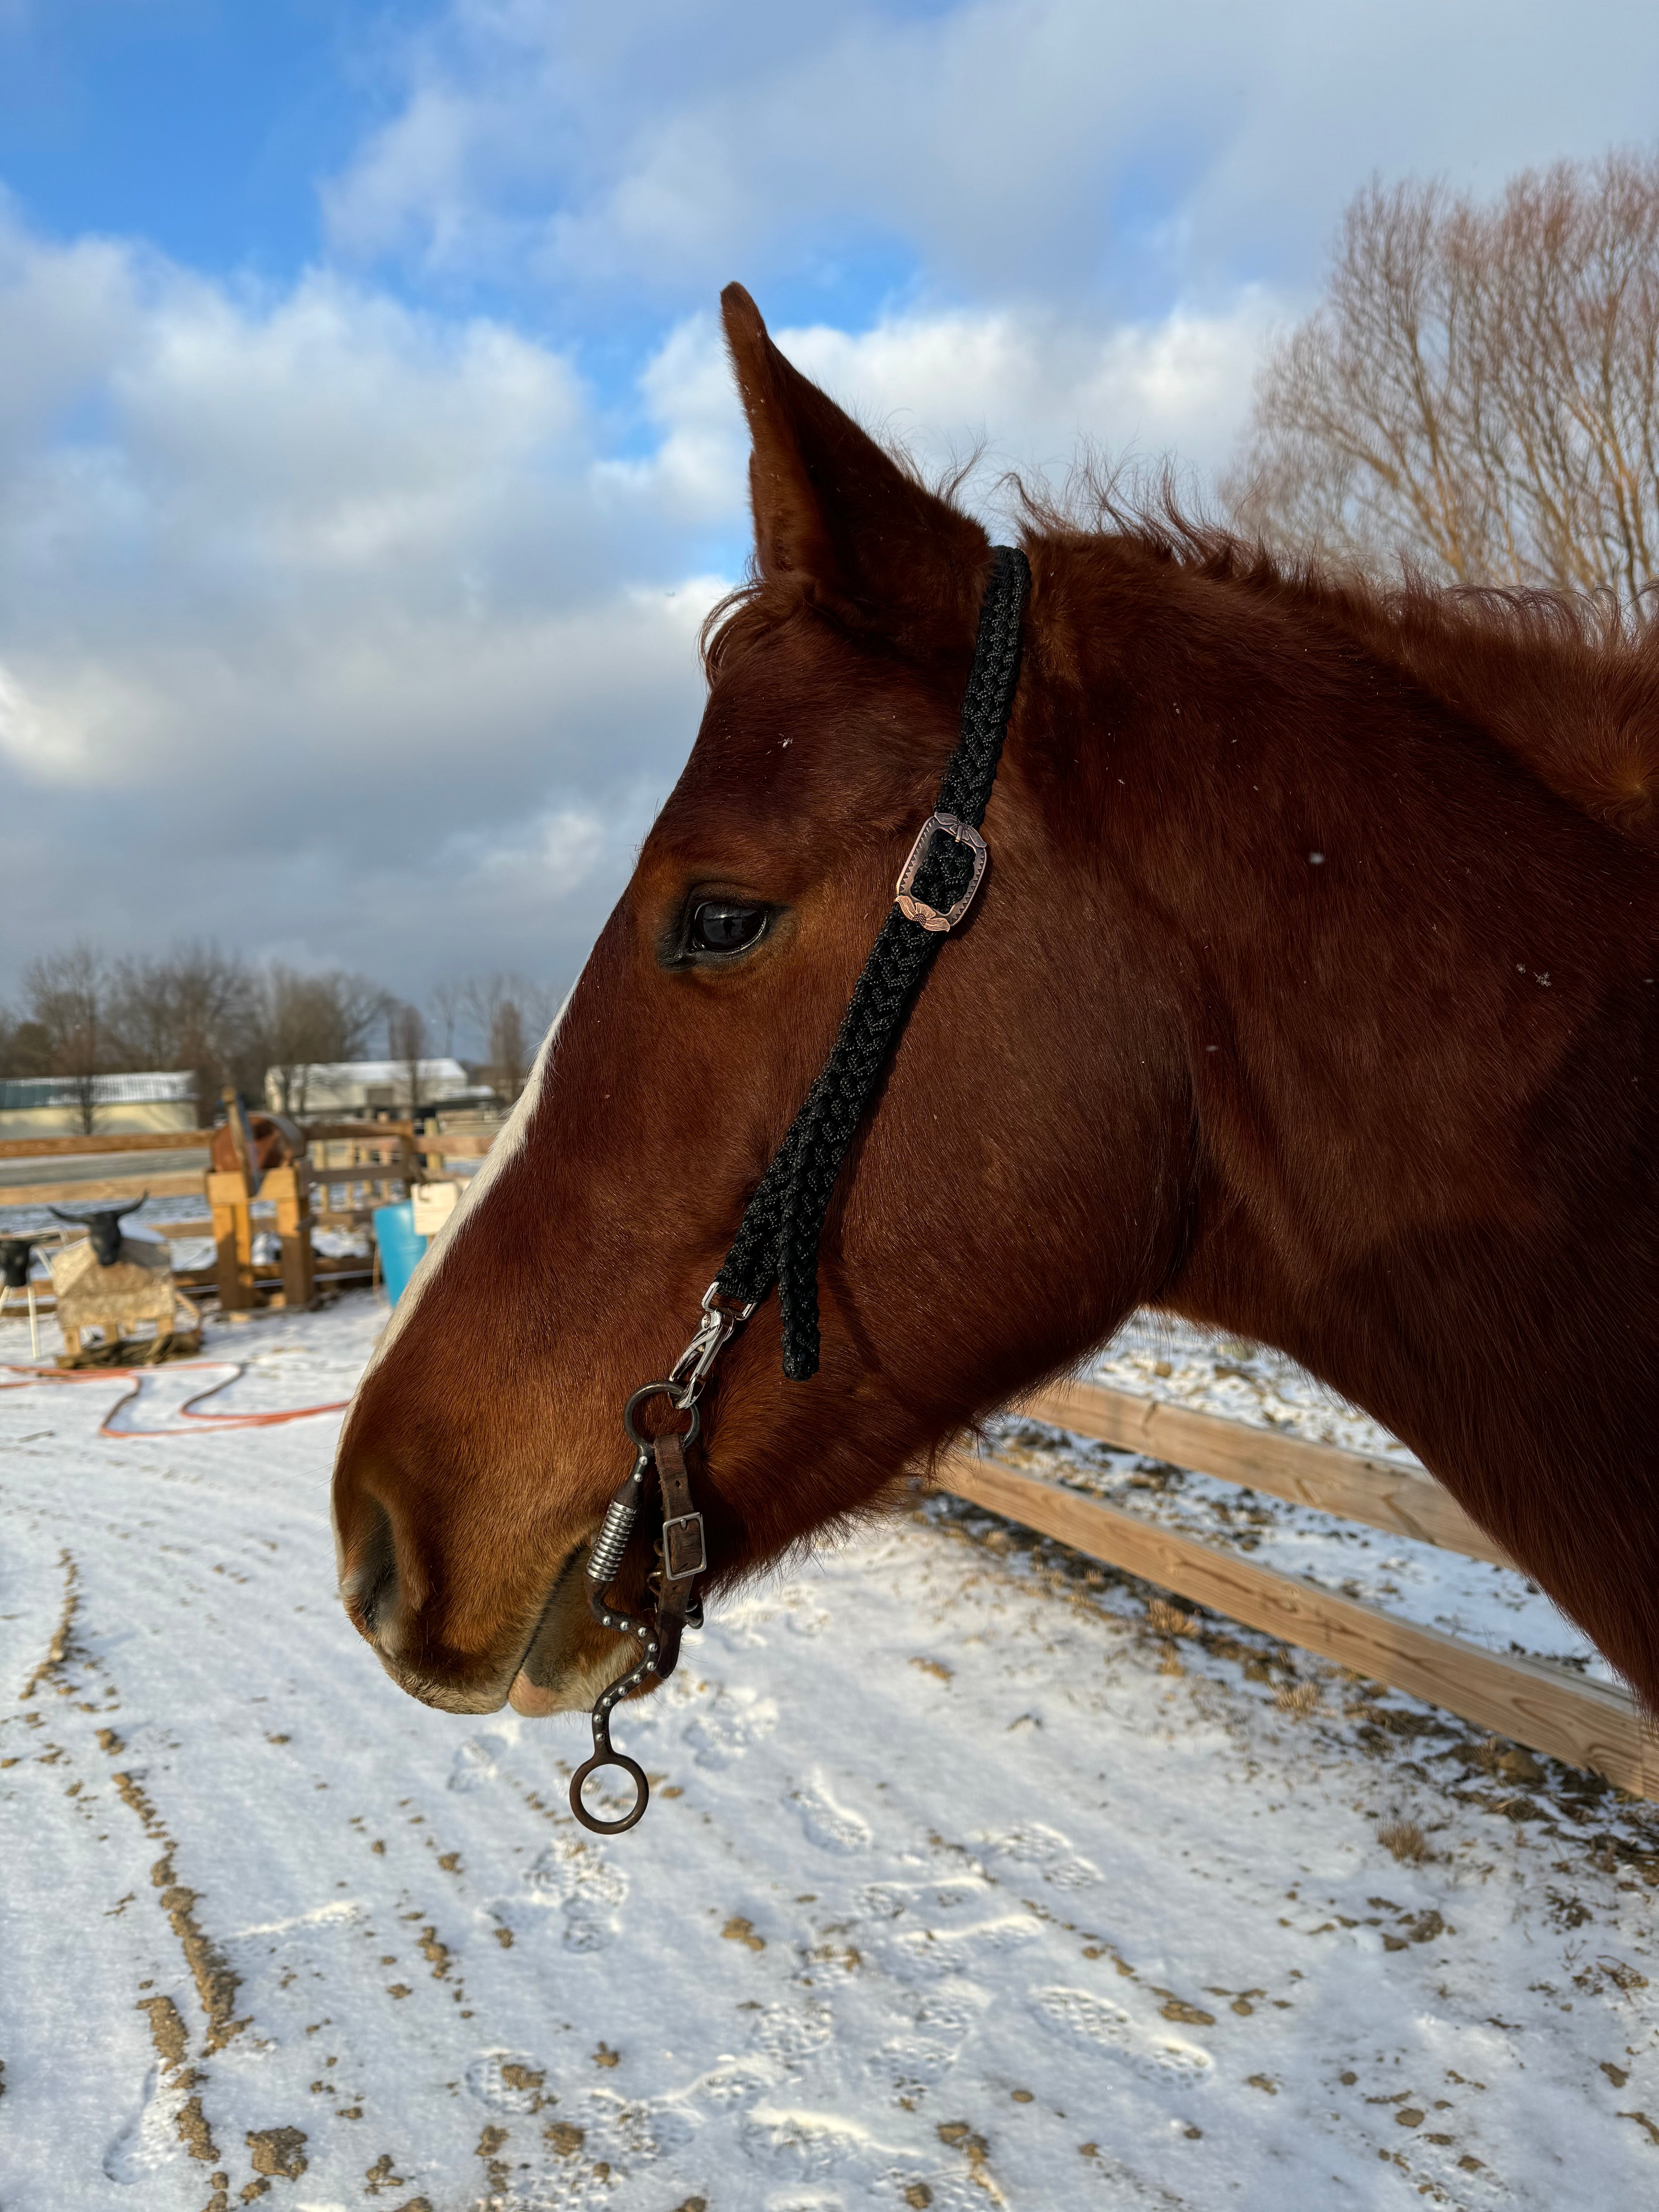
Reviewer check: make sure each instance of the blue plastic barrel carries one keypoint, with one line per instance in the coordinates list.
(400, 1247)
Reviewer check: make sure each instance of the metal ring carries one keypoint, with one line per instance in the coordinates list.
(672, 1391)
(636, 1811)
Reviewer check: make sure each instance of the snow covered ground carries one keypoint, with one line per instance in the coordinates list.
(975, 1874)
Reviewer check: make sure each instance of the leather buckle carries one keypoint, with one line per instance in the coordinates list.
(915, 909)
(684, 1547)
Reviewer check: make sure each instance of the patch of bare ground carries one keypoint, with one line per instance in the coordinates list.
(216, 1983)
(166, 2032)
(275, 2152)
(61, 1650)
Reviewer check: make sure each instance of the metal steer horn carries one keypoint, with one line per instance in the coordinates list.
(103, 1224)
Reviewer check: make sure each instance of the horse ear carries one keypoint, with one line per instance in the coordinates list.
(836, 515)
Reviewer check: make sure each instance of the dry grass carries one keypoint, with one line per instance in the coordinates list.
(1297, 1698)
(1169, 1619)
(1405, 1840)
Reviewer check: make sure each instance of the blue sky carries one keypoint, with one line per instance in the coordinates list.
(366, 457)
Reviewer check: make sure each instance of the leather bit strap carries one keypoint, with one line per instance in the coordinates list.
(684, 1554)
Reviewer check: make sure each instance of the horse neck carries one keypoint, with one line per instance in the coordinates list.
(1408, 985)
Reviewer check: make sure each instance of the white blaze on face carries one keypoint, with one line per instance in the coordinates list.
(507, 1144)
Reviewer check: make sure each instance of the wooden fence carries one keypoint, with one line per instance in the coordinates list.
(349, 1169)
(1548, 1708)
(183, 1182)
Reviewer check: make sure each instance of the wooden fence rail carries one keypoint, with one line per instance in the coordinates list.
(181, 1183)
(1548, 1708)
(1381, 1492)
(138, 1140)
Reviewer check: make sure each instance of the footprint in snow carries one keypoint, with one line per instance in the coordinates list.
(475, 1763)
(507, 2081)
(724, 1728)
(812, 2143)
(805, 1615)
(790, 2032)
(933, 1953)
(831, 1826)
(1098, 2024)
(927, 2050)
(887, 1900)
(1048, 1850)
(150, 2138)
(797, 1604)
(844, 2166)
(586, 1886)
(732, 2083)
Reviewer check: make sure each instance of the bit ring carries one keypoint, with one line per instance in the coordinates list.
(636, 1812)
(671, 1391)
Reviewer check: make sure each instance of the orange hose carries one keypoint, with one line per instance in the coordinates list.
(196, 1423)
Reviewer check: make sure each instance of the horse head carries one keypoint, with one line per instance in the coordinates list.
(486, 1438)
(103, 1225)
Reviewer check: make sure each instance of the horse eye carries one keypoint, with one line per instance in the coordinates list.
(719, 926)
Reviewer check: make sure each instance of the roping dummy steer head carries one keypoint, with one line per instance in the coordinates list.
(103, 1225)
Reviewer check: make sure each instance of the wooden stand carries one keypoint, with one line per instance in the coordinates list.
(291, 1188)
(232, 1238)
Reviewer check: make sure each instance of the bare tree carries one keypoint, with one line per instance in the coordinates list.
(65, 993)
(196, 1008)
(449, 1002)
(511, 1014)
(25, 1047)
(310, 1020)
(406, 1035)
(1479, 389)
(509, 1049)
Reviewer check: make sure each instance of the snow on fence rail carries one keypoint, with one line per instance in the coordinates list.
(1546, 1707)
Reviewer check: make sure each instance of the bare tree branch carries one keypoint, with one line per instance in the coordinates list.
(1479, 392)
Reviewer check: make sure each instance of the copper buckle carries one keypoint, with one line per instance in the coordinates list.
(915, 909)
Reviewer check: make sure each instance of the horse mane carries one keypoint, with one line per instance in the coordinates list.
(1568, 682)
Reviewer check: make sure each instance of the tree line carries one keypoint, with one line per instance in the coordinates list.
(198, 1010)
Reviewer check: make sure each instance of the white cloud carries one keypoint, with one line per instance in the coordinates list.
(314, 585)
(1036, 386)
(21, 731)
(1028, 389)
(1030, 149)
(343, 609)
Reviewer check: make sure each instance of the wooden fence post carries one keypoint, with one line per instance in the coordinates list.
(291, 1188)
(232, 1238)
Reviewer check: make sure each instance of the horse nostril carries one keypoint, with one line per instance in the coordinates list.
(369, 1585)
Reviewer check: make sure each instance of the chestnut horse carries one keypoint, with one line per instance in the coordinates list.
(1311, 995)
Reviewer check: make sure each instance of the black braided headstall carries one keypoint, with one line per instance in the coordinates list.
(777, 1240)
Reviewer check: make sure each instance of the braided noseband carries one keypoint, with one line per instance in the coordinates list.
(777, 1240)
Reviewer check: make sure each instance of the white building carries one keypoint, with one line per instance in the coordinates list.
(351, 1087)
(123, 1105)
